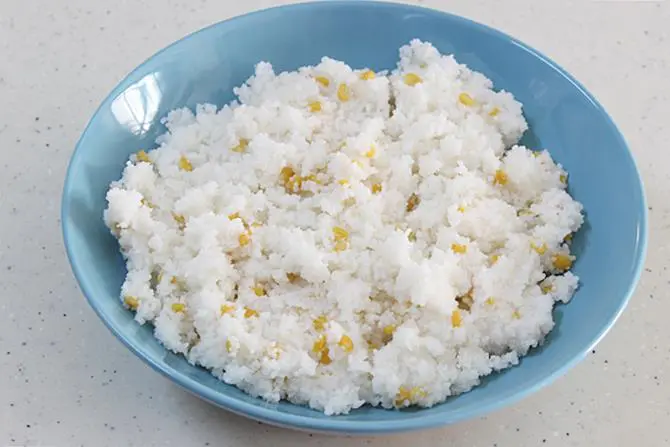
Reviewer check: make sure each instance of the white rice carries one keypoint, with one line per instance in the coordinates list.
(373, 318)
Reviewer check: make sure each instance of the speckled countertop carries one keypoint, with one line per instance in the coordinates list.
(65, 380)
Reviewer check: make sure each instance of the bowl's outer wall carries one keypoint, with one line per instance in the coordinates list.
(205, 66)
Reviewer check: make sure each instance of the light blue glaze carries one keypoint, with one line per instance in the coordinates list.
(205, 66)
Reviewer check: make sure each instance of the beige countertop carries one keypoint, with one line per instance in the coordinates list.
(65, 380)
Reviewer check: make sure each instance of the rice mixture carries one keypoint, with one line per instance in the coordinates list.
(339, 237)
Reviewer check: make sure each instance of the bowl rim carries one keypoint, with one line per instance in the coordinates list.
(335, 424)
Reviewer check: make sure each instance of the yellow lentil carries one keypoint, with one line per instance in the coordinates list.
(500, 178)
(456, 319)
(244, 239)
(412, 79)
(343, 92)
(320, 345)
(346, 343)
(367, 75)
(561, 261)
(459, 248)
(325, 357)
(227, 308)
(180, 219)
(319, 323)
(542, 249)
(178, 307)
(241, 145)
(143, 157)
(248, 312)
(466, 100)
(340, 234)
(546, 287)
(412, 203)
(324, 81)
(132, 302)
(341, 245)
(292, 277)
(185, 164)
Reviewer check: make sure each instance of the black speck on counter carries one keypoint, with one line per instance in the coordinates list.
(567, 434)
(647, 269)
(9, 267)
(24, 343)
(64, 315)
(9, 352)
(544, 441)
(27, 425)
(518, 429)
(11, 404)
(606, 361)
(37, 118)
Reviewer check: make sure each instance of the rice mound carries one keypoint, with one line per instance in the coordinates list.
(337, 237)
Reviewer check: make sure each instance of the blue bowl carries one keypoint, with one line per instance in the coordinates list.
(205, 66)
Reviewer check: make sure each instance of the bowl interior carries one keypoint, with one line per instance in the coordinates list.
(204, 67)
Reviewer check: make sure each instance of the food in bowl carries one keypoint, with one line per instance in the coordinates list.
(338, 237)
